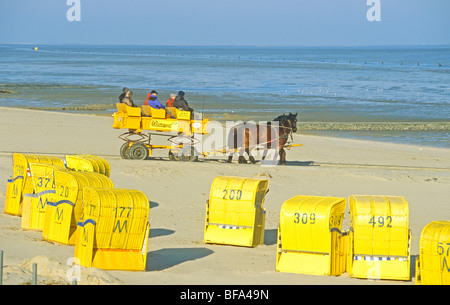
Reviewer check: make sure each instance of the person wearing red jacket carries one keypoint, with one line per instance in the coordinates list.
(171, 100)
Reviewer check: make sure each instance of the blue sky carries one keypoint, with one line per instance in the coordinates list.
(226, 22)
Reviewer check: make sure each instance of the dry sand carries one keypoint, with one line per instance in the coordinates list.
(178, 192)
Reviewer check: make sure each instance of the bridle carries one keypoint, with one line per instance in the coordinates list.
(290, 127)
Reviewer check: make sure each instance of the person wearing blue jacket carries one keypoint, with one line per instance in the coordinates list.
(152, 100)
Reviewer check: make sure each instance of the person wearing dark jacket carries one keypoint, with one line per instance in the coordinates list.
(152, 100)
(122, 95)
(181, 103)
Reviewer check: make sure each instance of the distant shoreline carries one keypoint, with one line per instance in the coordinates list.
(227, 45)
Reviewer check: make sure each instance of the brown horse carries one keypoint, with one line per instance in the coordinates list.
(245, 137)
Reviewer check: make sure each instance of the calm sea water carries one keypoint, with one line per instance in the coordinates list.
(397, 94)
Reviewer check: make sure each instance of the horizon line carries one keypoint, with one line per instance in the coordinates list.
(227, 45)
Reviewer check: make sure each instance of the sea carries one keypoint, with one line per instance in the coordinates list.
(398, 94)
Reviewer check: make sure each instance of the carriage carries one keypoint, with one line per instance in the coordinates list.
(183, 131)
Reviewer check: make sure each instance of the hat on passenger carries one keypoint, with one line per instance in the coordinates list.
(153, 91)
(181, 93)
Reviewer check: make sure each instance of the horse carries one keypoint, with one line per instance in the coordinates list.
(245, 137)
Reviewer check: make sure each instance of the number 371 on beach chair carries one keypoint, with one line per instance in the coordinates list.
(21, 183)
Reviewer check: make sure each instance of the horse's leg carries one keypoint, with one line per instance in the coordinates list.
(250, 156)
(244, 147)
(264, 154)
(230, 158)
(282, 156)
(232, 143)
(241, 158)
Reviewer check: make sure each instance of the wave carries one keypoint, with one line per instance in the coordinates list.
(8, 91)
(375, 126)
(25, 86)
(96, 107)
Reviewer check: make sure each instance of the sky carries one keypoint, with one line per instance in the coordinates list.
(226, 22)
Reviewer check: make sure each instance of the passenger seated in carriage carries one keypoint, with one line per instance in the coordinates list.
(181, 103)
(171, 100)
(152, 100)
(122, 95)
(126, 97)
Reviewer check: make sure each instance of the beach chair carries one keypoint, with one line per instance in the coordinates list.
(235, 213)
(117, 237)
(62, 215)
(379, 238)
(433, 262)
(21, 182)
(87, 163)
(310, 240)
(35, 203)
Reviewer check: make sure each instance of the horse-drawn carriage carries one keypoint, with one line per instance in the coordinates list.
(184, 130)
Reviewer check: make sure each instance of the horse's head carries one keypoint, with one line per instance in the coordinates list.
(293, 120)
(288, 120)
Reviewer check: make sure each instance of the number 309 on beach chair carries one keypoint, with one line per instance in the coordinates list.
(310, 240)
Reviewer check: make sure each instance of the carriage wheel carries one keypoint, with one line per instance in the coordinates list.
(125, 151)
(173, 157)
(139, 151)
(188, 154)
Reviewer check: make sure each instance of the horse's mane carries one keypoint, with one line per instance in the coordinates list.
(283, 117)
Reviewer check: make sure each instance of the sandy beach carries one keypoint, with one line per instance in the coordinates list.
(178, 191)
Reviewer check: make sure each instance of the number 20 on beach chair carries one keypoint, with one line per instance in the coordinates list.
(234, 212)
(63, 214)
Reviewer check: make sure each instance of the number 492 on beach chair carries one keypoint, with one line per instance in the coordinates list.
(379, 239)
